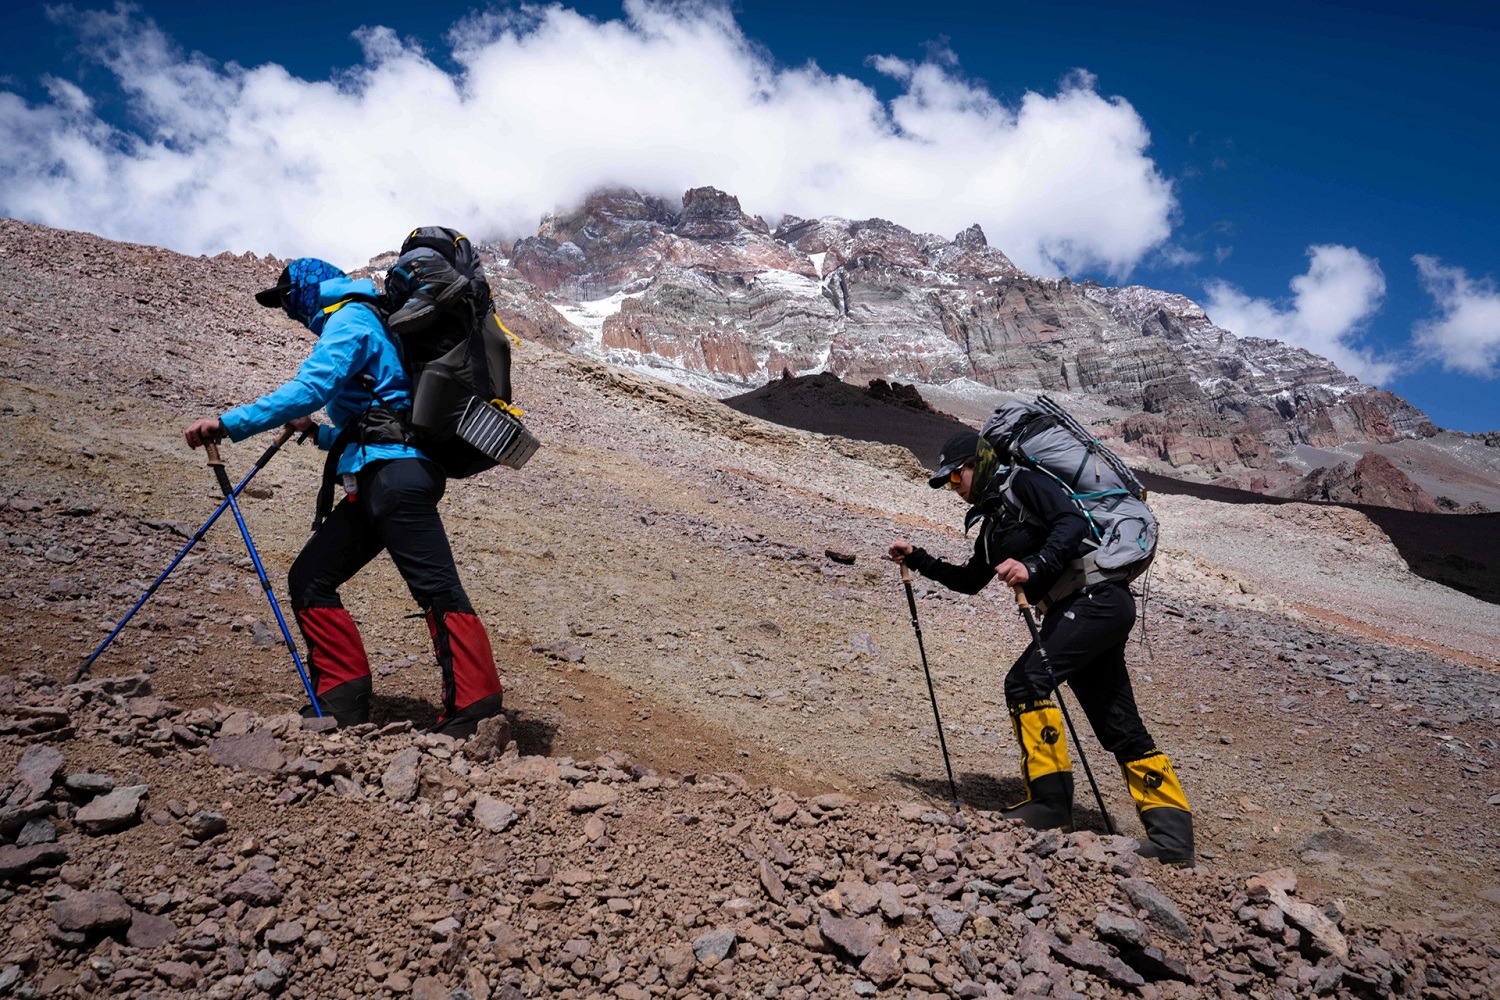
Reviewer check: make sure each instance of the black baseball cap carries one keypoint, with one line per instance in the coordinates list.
(271, 297)
(958, 452)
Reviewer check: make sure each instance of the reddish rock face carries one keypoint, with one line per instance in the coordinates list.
(1373, 480)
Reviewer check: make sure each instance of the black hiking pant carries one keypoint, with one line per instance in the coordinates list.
(1084, 636)
(395, 510)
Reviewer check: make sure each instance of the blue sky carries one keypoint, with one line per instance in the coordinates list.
(1320, 173)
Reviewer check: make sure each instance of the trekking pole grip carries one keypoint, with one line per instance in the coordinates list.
(905, 573)
(1021, 601)
(217, 464)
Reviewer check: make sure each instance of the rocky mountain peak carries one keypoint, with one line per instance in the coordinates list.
(708, 213)
(972, 237)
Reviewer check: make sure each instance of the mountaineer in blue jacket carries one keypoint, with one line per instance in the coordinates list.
(391, 491)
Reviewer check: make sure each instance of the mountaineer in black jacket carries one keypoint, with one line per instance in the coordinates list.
(1031, 535)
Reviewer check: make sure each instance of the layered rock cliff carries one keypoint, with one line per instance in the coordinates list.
(707, 295)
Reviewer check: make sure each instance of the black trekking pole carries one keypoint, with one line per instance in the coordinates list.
(260, 571)
(911, 602)
(1036, 640)
(260, 463)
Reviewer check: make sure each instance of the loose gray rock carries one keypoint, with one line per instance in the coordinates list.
(255, 751)
(881, 965)
(1156, 965)
(493, 815)
(34, 774)
(714, 944)
(949, 922)
(89, 784)
(13, 818)
(17, 862)
(490, 739)
(206, 823)
(1159, 909)
(178, 974)
(1120, 929)
(285, 934)
(1326, 938)
(129, 686)
(1092, 957)
(36, 831)
(268, 980)
(400, 779)
(91, 911)
(770, 880)
(677, 962)
(121, 807)
(592, 795)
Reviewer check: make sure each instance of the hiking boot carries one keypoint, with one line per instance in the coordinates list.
(336, 664)
(1050, 804)
(1045, 767)
(1169, 836)
(462, 648)
(423, 283)
(464, 723)
(348, 703)
(1163, 808)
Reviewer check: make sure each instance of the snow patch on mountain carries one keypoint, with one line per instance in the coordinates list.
(788, 283)
(590, 317)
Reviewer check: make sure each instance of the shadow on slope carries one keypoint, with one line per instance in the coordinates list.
(1461, 551)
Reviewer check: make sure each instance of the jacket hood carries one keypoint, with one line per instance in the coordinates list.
(332, 290)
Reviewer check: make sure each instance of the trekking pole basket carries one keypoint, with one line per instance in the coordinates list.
(496, 433)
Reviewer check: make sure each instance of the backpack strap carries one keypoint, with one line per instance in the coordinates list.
(377, 304)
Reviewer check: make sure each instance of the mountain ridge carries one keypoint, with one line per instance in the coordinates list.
(710, 297)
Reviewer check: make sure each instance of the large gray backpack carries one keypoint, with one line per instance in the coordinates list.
(1045, 437)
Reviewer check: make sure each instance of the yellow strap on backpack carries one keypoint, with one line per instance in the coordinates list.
(506, 330)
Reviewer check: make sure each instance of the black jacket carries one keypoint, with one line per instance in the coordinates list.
(1032, 521)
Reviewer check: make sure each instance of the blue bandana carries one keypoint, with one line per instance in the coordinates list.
(305, 275)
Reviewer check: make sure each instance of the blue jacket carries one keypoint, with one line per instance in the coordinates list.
(352, 342)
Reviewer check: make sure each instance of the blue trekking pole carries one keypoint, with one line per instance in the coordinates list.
(197, 537)
(217, 464)
(260, 463)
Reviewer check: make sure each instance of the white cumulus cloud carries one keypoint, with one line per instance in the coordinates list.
(1330, 307)
(1466, 336)
(547, 105)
